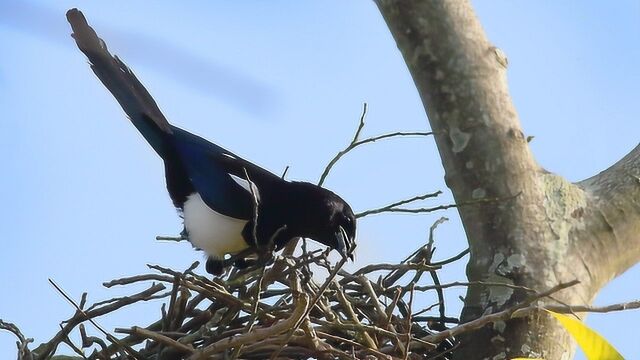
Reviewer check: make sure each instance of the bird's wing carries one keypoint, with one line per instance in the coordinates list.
(219, 175)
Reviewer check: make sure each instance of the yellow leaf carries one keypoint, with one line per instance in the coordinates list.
(594, 346)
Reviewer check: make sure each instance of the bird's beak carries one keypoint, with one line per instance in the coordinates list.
(345, 244)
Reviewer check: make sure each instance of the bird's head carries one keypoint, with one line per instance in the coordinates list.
(328, 219)
(344, 231)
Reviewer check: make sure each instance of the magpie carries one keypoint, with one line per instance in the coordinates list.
(228, 204)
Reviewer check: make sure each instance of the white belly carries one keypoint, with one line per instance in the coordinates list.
(214, 233)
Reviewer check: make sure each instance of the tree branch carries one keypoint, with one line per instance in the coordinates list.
(258, 334)
(355, 142)
(531, 241)
(22, 343)
(615, 198)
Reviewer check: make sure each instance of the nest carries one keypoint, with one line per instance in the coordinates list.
(278, 311)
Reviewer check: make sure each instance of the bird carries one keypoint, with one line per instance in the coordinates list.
(228, 204)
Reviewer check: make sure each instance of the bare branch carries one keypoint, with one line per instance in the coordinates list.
(85, 315)
(258, 334)
(80, 316)
(157, 337)
(571, 309)
(355, 142)
(393, 207)
(171, 238)
(22, 343)
(499, 316)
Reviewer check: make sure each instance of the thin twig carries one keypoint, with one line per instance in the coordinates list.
(22, 343)
(398, 203)
(434, 275)
(491, 318)
(451, 259)
(354, 343)
(256, 205)
(570, 309)
(409, 323)
(254, 314)
(96, 312)
(355, 142)
(258, 334)
(147, 334)
(171, 238)
(284, 173)
(312, 304)
(392, 209)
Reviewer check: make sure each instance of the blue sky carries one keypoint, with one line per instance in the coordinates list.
(281, 83)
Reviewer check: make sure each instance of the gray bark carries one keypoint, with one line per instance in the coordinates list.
(546, 230)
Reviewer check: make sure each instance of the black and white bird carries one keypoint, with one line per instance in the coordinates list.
(228, 203)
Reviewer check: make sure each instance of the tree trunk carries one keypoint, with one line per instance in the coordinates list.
(543, 230)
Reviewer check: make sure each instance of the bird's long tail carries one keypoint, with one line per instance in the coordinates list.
(122, 83)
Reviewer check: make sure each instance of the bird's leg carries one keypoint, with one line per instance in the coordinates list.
(266, 251)
(244, 263)
(215, 266)
(265, 256)
(239, 260)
